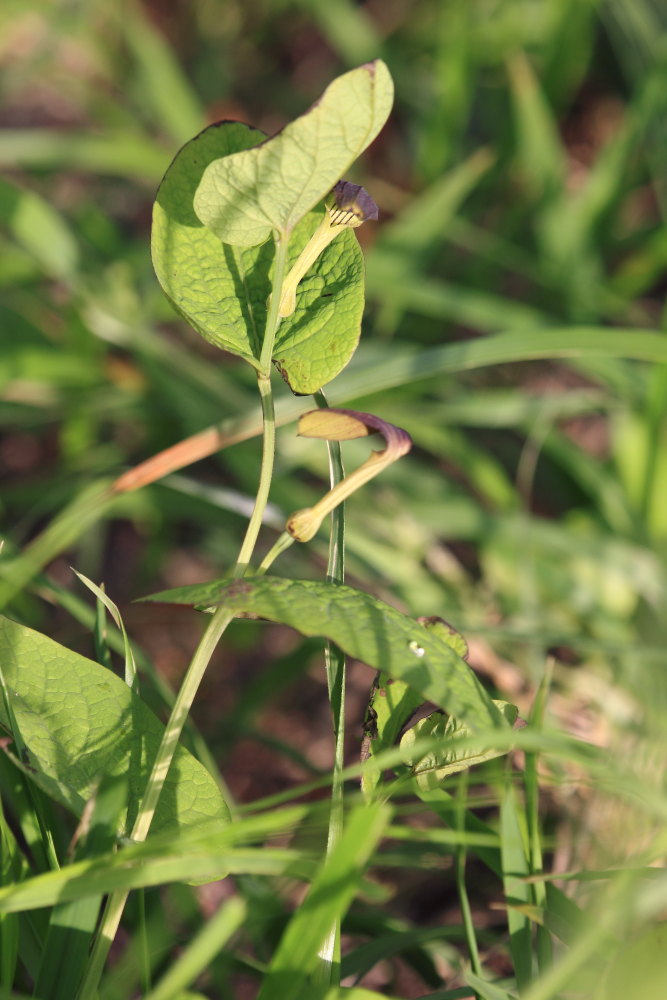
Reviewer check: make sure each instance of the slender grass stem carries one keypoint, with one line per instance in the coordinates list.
(214, 631)
(655, 419)
(544, 949)
(328, 970)
(116, 902)
(45, 845)
(464, 902)
(280, 545)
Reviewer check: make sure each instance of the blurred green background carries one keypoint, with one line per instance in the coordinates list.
(522, 189)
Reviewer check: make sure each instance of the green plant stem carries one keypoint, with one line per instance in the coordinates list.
(655, 417)
(544, 949)
(279, 546)
(268, 409)
(45, 844)
(219, 622)
(464, 902)
(113, 910)
(215, 629)
(328, 970)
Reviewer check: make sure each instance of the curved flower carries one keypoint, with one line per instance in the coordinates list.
(344, 425)
(351, 208)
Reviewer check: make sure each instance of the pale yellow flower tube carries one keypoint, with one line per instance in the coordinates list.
(351, 207)
(344, 425)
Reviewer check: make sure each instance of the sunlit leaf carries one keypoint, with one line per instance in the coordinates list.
(245, 197)
(222, 291)
(447, 758)
(364, 628)
(330, 895)
(393, 703)
(78, 722)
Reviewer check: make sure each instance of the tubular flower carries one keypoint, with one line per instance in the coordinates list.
(344, 425)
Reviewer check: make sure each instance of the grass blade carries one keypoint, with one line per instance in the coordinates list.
(517, 891)
(201, 951)
(330, 895)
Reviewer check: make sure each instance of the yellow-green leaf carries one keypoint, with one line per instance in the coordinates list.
(245, 197)
(447, 758)
(80, 722)
(222, 291)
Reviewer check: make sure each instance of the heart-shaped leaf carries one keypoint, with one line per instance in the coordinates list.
(78, 722)
(245, 197)
(364, 628)
(222, 291)
(204, 280)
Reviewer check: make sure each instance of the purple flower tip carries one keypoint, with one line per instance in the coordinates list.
(353, 205)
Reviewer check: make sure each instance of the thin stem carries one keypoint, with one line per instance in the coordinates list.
(328, 970)
(179, 713)
(279, 546)
(532, 792)
(464, 902)
(216, 627)
(116, 902)
(654, 421)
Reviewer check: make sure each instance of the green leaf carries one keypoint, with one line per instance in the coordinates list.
(28, 354)
(393, 702)
(245, 197)
(204, 281)
(539, 149)
(79, 721)
(38, 227)
(637, 967)
(330, 895)
(364, 628)
(486, 990)
(316, 342)
(119, 151)
(194, 853)
(167, 93)
(105, 601)
(145, 865)
(222, 291)
(447, 633)
(446, 758)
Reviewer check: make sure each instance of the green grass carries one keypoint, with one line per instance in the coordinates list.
(515, 328)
